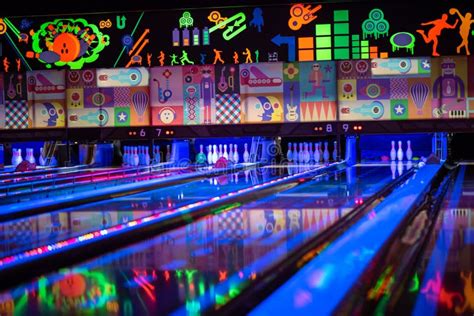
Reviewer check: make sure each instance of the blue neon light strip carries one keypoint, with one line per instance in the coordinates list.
(319, 286)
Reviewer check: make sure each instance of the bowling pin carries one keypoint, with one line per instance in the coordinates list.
(147, 156)
(168, 153)
(326, 152)
(409, 151)
(321, 156)
(214, 154)
(136, 159)
(209, 154)
(393, 153)
(219, 153)
(306, 153)
(236, 154)
(225, 154)
(246, 153)
(400, 151)
(317, 157)
(310, 152)
(301, 153)
(334, 152)
(289, 153)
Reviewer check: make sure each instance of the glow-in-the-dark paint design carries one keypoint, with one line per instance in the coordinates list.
(67, 42)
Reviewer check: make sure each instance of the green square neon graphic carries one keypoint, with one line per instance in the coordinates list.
(341, 28)
(323, 29)
(341, 41)
(355, 49)
(355, 56)
(355, 37)
(341, 15)
(365, 55)
(323, 54)
(341, 53)
(364, 49)
(323, 42)
(355, 44)
(364, 43)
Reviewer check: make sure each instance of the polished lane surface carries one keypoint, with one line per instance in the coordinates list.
(205, 263)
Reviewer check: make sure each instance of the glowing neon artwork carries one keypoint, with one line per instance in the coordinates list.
(186, 20)
(3, 27)
(67, 42)
(302, 15)
(403, 40)
(375, 25)
(237, 27)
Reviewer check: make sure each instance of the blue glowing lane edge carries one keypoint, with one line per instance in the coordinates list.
(320, 285)
(439, 256)
(9, 209)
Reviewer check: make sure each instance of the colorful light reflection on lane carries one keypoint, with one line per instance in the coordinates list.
(320, 285)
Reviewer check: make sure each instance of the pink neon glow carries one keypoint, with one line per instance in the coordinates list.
(43, 250)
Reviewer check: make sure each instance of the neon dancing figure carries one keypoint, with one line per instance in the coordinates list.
(464, 29)
(435, 31)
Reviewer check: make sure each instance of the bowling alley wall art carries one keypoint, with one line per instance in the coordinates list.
(282, 63)
(377, 89)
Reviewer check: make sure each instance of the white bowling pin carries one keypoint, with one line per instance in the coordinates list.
(326, 152)
(317, 157)
(295, 153)
(246, 153)
(209, 154)
(289, 153)
(147, 156)
(409, 151)
(225, 154)
(393, 153)
(236, 154)
(306, 153)
(214, 153)
(400, 151)
(219, 153)
(301, 153)
(334, 151)
(321, 154)
(136, 158)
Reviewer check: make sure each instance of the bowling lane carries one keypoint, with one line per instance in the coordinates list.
(91, 182)
(444, 277)
(205, 263)
(45, 172)
(29, 232)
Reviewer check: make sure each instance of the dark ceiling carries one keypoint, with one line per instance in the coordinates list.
(55, 7)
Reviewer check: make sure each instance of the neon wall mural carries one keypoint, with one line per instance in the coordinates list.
(317, 62)
(270, 92)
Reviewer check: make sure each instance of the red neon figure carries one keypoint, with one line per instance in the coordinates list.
(435, 31)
